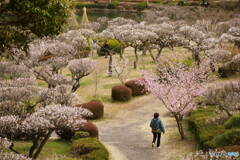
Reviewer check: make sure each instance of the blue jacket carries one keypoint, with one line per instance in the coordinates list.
(157, 124)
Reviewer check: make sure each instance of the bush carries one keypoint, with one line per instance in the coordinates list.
(112, 5)
(121, 93)
(112, 45)
(68, 134)
(229, 137)
(96, 107)
(115, 45)
(90, 128)
(80, 134)
(65, 133)
(141, 6)
(230, 68)
(204, 132)
(225, 71)
(92, 5)
(136, 87)
(89, 149)
(233, 122)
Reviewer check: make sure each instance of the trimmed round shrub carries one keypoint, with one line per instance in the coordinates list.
(112, 45)
(65, 133)
(68, 133)
(89, 149)
(80, 134)
(90, 128)
(137, 88)
(96, 107)
(121, 93)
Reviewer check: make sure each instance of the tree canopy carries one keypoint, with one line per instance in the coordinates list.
(22, 20)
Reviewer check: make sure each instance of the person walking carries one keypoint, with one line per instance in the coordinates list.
(157, 128)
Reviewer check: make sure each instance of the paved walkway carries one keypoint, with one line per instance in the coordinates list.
(128, 136)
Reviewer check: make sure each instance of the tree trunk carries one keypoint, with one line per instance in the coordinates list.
(110, 65)
(136, 60)
(212, 67)
(76, 85)
(34, 147)
(196, 57)
(121, 53)
(11, 148)
(144, 52)
(152, 56)
(180, 127)
(159, 54)
(44, 141)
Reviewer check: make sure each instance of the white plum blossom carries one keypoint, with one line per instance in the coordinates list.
(225, 96)
(77, 40)
(233, 35)
(52, 79)
(39, 125)
(12, 156)
(120, 21)
(79, 69)
(121, 68)
(61, 94)
(197, 41)
(9, 126)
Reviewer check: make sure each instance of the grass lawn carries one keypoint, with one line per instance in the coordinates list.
(51, 149)
(105, 83)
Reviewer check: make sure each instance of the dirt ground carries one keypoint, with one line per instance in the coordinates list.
(128, 137)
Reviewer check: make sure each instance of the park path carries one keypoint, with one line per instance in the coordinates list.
(128, 137)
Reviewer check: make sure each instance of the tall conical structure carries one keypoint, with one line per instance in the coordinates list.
(84, 17)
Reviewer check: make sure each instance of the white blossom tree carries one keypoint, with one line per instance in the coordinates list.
(79, 69)
(225, 96)
(197, 41)
(24, 113)
(39, 125)
(121, 68)
(233, 35)
(166, 38)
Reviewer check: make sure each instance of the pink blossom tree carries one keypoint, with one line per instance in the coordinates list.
(176, 87)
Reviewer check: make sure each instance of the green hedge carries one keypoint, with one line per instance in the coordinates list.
(91, 5)
(233, 122)
(89, 149)
(112, 5)
(203, 132)
(212, 135)
(229, 137)
(141, 6)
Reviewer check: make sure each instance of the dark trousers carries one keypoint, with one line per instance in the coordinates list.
(158, 137)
